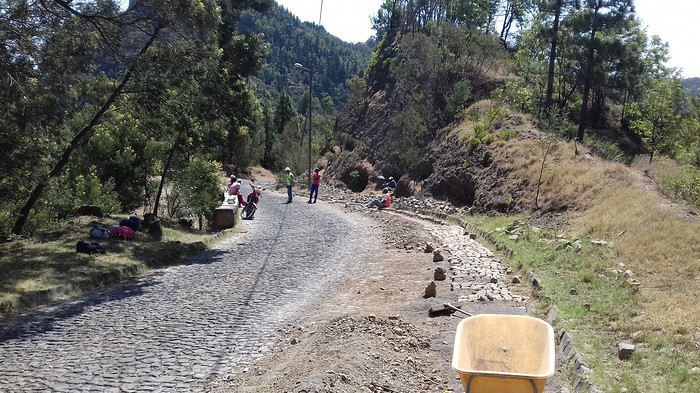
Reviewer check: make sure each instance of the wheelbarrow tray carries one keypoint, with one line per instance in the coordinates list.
(503, 354)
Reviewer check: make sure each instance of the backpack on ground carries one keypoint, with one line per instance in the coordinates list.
(123, 233)
(84, 247)
(133, 223)
(98, 232)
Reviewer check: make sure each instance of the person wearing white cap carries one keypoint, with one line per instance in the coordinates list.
(289, 181)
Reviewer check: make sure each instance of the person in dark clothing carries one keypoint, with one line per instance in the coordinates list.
(391, 183)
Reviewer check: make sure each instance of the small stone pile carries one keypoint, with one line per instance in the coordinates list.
(423, 206)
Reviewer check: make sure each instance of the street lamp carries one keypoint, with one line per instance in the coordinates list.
(311, 79)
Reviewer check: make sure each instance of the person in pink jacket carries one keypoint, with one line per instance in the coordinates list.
(235, 189)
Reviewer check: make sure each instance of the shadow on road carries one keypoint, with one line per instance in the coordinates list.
(45, 318)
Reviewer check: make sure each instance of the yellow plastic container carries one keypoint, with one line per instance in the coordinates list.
(503, 354)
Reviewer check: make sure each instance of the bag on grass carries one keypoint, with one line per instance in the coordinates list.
(124, 233)
(84, 247)
(133, 223)
(98, 232)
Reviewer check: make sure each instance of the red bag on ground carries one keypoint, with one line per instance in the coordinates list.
(123, 233)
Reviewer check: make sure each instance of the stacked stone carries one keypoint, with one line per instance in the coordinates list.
(477, 275)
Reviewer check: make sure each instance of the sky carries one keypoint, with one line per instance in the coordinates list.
(673, 20)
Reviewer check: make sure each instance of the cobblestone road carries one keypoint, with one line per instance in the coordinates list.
(182, 326)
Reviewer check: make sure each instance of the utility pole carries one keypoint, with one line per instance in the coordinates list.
(311, 81)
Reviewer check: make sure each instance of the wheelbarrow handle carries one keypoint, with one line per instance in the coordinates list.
(459, 310)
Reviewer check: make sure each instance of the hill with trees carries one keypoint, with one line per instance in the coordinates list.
(588, 67)
(116, 109)
(293, 41)
(692, 85)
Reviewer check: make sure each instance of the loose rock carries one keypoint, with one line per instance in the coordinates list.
(439, 274)
(625, 351)
(430, 290)
(516, 280)
(638, 336)
(429, 248)
(437, 256)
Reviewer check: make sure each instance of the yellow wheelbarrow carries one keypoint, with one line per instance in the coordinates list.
(503, 354)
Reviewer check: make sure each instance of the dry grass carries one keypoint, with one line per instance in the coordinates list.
(36, 271)
(650, 235)
(658, 242)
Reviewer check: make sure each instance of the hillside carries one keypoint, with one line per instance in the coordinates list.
(293, 41)
(693, 86)
(587, 169)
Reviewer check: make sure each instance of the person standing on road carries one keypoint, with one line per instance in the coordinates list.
(315, 184)
(289, 181)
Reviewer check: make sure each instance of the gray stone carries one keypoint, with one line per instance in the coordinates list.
(552, 314)
(516, 280)
(428, 248)
(625, 351)
(577, 245)
(638, 336)
(437, 256)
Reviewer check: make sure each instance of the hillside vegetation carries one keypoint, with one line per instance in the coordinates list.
(693, 86)
(117, 108)
(570, 127)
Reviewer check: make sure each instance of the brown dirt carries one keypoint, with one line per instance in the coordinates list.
(373, 333)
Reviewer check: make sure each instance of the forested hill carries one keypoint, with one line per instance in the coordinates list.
(292, 41)
(693, 86)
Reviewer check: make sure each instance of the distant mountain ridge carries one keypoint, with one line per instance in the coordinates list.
(693, 86)
(293, 41)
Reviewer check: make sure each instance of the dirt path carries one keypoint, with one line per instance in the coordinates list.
(372, 333)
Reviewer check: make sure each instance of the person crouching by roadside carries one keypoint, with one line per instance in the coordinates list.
(235, 190)
(391, 184)
(384, 202)
(315, 184)
(289, 181)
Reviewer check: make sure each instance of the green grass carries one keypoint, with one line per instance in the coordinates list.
(603, 312)
(46, 268)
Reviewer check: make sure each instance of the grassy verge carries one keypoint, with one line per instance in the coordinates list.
(47, 268)
(601, 302)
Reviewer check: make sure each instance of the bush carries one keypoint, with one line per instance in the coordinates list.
(685, 186)
(507, 135)
(604, 148)
(199, 186)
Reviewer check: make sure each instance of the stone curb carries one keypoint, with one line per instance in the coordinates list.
(566, 349)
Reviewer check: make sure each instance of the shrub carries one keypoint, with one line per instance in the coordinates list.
(474, 142)
(199, 185)
(507, 135)
(685, 186)
(604, 148)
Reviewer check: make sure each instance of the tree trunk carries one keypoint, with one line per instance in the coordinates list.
(552, 58)
(166, 168)
(583, 114)
(82, 137)
(623, 117)
(653, 144)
